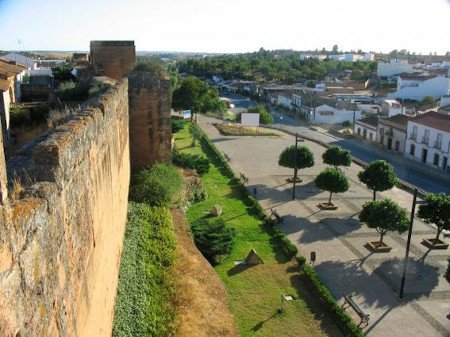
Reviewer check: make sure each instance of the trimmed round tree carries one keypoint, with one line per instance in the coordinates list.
(384, 216)
(379, 176)
(337, 156)
(436, 211)
(296, 158)
(332, 180)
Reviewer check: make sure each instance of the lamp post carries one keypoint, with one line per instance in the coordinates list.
(408, 243)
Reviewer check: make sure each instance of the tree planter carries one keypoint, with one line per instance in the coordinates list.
(328, 206)
(376, 247)
(291, 180)
(433, 244)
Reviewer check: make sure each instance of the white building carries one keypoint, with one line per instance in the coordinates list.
(325, 114)
(366, 129)
(296, 101)
(285, 100)
(428, 140)
(417, 87)
(394, 67)
(21, 59)
(392, 132)
(445, 101)
(390, 107)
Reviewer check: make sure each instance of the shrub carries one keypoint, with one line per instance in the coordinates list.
(19, 117)
(145, 292)
(214, 239)
(71, 91)
(346, 124)
(177, 125)
(196, 191)
(264, 115)
(157, 186)
(191, 161)
(39, 114)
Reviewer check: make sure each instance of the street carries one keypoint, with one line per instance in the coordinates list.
(425, 178)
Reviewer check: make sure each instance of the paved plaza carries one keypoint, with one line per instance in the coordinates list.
(343, 262)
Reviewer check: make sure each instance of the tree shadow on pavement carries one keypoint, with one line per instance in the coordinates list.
(380, 287)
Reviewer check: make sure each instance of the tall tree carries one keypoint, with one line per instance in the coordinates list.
(378, 176)
(337, 156)
(264, 115)
(436, 211)
(296, 158)
(332, 180)
(384, 216)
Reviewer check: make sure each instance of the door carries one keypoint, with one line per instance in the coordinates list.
(444, 163)
(424, 155)
(389, 143)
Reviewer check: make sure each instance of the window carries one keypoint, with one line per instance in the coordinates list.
(438, 143)
(397, 145)
(412, 150)
(426, 137)
(371, 136)
(414, 133)
(359, 131)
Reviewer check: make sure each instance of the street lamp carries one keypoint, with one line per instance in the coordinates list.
(408, 243)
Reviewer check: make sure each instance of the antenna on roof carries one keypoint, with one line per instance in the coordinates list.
(20, 44)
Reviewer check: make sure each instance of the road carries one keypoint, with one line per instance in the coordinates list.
(427, 179)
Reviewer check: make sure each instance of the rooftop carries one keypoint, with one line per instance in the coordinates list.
(400, 121)
(7, 69)
(417, 77)
(371, 120)
(434, 120)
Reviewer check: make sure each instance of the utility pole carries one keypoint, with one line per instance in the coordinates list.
(295, 166)
(408, 243)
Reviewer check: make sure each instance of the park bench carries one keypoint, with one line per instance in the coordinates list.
(244, 178)
(277, 216)
(348, 301)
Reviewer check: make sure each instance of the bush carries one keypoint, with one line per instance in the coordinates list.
(177, 125)
(264, 115)
(157, 186)
(19, 117)
(196, 191)
(346, 124)
(329, 302)
(214, 239)
(71, 91)
(144, 301)
(39, 114)
(191, 161)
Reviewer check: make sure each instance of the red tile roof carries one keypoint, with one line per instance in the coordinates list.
(7, 69)
(434, 120)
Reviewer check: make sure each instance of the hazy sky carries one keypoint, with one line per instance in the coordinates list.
(227, 25)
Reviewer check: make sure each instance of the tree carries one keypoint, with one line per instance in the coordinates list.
(337, 156)
(264, 115)
(385, 216)
(428, 101)
(332, 180)
(335, 49)
(214, 239)
(436, 211)
(378, 176)
(296, 158)
(197, 96)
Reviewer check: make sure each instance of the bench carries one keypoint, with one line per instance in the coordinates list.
(243, 177)
(227, 157)
(348, 301)
(277, 216)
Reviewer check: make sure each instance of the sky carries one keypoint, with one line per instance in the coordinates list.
(227, 26)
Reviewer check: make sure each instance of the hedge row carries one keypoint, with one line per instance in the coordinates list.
(290, 250)
(144, 293)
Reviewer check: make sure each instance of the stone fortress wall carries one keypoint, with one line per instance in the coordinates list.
(61, 236)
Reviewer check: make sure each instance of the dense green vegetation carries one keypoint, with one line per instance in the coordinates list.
(197, 96)
(144, 293)
(77, 91)
(254, 292)
(337, 156)
(29, 116)
(157, 186)
(436, 211)
(177, 125)
(264, 115)
(280, 65)
(191, 161)
(332, 180)
(379, 176)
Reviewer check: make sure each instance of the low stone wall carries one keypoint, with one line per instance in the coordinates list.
(61, 238)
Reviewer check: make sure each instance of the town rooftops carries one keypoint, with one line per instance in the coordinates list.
(8, 69)
(370, 121)
(398, 121)
(434, 120)
(19, 58)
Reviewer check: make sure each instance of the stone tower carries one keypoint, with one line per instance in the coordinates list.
(114, 59)
(150, 128)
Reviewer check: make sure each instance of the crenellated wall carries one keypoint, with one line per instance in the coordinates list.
(61, 238)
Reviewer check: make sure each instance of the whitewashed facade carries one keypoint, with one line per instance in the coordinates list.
(326, 114)
(394, 67)
(428, 140)
(417, 87)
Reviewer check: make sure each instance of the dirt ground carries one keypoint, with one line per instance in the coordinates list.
(201, 300)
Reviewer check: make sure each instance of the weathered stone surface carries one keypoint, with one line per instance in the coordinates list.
(216, 210)
(150, 127)
(60, 244)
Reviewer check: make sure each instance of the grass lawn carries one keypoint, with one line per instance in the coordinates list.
(254, 293)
